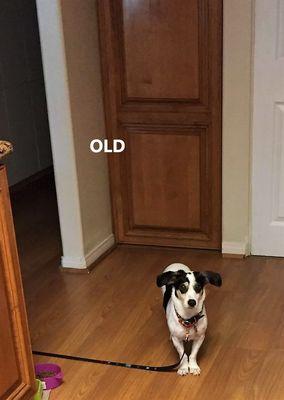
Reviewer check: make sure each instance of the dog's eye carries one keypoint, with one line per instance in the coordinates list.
(183, 288)
(197, 288)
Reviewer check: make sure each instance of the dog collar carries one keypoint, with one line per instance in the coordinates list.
(190, 322)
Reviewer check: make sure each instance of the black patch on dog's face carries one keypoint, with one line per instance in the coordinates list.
(197, 288)
(171, 279)
(175, 278)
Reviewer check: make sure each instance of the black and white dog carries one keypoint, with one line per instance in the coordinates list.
(184, 296)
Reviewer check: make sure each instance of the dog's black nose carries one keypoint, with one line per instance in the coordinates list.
(191, 303)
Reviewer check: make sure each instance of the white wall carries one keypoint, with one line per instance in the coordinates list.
(86, 102)
(237, 109)
(73, 83)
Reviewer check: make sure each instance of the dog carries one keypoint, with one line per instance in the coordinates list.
(183, 300)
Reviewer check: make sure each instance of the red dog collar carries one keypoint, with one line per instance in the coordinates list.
(190, 322)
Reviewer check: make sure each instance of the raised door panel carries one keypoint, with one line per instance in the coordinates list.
(168, 49)
(17, 380)
(167, 172)
(278, 166)
(8, 359)
(161, 52)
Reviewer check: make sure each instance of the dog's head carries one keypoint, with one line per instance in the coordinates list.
(189, 286)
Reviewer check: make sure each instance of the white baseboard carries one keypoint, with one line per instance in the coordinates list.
(73, 262)
(100, 249)
(85, 261)
(241, 248)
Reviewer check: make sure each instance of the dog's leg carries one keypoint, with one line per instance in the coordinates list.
(183, 366)
(193, 366)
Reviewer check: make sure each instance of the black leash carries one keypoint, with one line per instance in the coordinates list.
(165, 368)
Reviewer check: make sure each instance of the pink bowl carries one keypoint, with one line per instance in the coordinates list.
(53, 381)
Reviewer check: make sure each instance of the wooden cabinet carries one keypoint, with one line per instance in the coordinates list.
(17, 380)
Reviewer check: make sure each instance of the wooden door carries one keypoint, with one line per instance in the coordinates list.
(17, 380)
(161, 65)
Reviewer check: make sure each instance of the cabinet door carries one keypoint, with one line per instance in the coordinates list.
(17, 379)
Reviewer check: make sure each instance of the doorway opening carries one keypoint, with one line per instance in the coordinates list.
(24, 122)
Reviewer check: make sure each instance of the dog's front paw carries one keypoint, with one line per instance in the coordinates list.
(183, 371)
(194, 368)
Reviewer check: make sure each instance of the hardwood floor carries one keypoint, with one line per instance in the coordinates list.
(116, 313)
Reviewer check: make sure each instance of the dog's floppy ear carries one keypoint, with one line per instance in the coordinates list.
(168, 278)
(208, 277)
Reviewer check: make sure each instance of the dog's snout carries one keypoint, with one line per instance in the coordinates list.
(191, 303)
